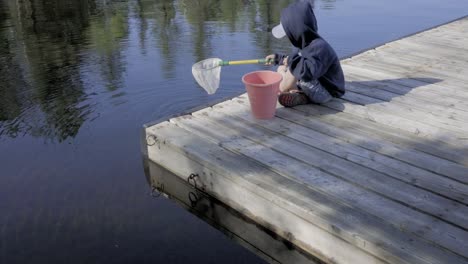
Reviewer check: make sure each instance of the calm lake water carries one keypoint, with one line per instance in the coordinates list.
(78, 79)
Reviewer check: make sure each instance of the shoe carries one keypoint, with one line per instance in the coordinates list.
(293, 99)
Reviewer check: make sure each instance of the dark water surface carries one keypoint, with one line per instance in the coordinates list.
(78, 79)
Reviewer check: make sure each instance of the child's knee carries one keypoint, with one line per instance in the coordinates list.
(320, 97)
(289, 81)
(316, 92)
(282, 69)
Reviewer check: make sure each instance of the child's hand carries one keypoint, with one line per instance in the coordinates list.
(270, 59)
(285, 61)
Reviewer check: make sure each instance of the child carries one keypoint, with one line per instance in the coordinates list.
(312, 73)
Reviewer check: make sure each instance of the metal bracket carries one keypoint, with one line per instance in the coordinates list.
(151, 140)
(157, 190)
(193, 177)
(193, 198)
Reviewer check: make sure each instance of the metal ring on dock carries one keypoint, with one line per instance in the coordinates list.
(157, 191)
(193, 198)
(151, 140)
(193, 177)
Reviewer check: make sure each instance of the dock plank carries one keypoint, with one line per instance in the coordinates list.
(270, 150)
(449, 114)
(409, 111)
(457, 53)
(410, 122)
(356, 132)
(266, 156)
(400, 55)
(382, 133)
(313, 228)
(396, 91)
(407, 68)
(406, 162)
(416, 83)
(312, 135)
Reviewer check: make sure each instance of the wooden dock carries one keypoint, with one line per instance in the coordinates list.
(233, 224)
(378, 176)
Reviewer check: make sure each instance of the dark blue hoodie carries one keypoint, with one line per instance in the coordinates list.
(314, 58)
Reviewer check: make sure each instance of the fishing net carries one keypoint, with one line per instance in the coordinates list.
(207, 73)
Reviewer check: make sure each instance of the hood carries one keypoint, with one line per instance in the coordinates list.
(300, 24)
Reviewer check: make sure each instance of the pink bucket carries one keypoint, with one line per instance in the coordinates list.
(262, 88)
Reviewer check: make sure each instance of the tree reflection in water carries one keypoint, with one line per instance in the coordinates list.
(47, 46)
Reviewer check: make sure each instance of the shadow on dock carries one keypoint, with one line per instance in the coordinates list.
(379, 91)
(368, 93)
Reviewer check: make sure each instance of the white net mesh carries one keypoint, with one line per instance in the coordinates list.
(207, 73)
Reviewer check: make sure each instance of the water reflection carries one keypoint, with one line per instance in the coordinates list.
(58, 55)
(107, 33)
(237, 227)
(40, 63)
(167, 33)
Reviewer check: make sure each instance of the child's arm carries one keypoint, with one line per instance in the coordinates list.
(307, 69)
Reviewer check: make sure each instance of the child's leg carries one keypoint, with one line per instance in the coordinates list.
(289, 82)
(315, 91)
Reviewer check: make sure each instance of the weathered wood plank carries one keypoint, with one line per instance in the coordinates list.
(302, 172)
(425, 170)
(442, 37)
(427, 106)
(319, 226)
(408, 111)
(431, 169)
(421, 44)
(402, 69)
(412, 124)
(235, 225)
(382, 133)
(427, 46)
(410, 64)
(372, 203)
(416, 82)
(457, 26)
(390, 52)
(404, 66)
(410, 80)
(405, 70)
(449, 38)
(447, 42)
(402, 54)
(418, 48)
(450, 105)
(339, 145)
(424, 54)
